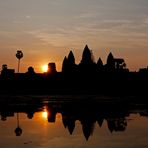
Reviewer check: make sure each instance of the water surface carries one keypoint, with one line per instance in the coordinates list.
(64, 123)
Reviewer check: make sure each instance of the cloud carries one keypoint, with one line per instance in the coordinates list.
(119, 29)
(28, 17)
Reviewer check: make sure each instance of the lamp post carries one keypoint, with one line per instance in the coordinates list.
(19, 55)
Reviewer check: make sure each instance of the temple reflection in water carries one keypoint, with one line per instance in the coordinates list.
(88, 113)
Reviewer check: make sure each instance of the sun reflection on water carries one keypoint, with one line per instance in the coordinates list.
(45, 114)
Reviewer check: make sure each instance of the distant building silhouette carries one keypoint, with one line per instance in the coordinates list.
(52, 69)
(88, 128)
(71, 125)
(65, 65)
(119, 63)
(87, 66)
(143, 70)
(87, 56)
(100, 121)
(71, 58)
(115, 63)
(117, 124)
(87, 76)
(99, 64)
(69, 65)
(7, 73)
(110, 62)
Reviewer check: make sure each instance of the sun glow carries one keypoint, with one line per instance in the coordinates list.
(45, 68)
(45, 114)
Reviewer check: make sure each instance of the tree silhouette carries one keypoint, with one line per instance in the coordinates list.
(18, 130)
(30, 74)
(31, 70)
(19, 55)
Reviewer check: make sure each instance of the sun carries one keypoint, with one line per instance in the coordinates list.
(45, 114)
(45, 68)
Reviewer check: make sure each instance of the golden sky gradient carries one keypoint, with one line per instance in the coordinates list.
(46, 30)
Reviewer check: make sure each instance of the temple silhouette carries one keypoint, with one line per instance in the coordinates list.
(89, 113)
(87, 77)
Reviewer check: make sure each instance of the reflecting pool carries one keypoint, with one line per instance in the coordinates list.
(63, 123)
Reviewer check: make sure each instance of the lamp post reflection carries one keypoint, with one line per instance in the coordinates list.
(18, 130)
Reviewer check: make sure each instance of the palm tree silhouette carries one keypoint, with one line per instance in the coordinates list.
(18, 130)
(19, 55)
